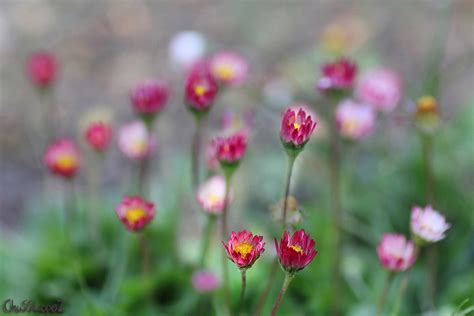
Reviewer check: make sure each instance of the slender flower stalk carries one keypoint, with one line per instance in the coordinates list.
(145, 253)
(242, 290)
(207, 236)
(335, 165)
(225, 267)
(291, 162)
(296, 128)
(195, 151)
(383, 295)
(288, 278)
(401, 293)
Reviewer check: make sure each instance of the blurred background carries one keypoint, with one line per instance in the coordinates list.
(105, 47)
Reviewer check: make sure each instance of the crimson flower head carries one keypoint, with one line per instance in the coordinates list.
(98, 135)
(296, 128)
(41, 68)
(62, 158)
(337, 76)
(200, 88)
(149, 97)
(296, 252)
(244, 248)
(135, 212)
(230, 150)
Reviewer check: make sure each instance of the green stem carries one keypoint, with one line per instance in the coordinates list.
(383, 295)
(225, 268)
(335, 166)
(210, 221)
(195, 152)
(263, 297)
(401, 293)
(291, 162)
(286, 282)
(242, 291)
(274, 269)
(144, 253)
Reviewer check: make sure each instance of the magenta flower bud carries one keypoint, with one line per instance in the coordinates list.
(41, 68)
(98, 135)
(149, 97)
(244, 248)
(200, 88)
(230, 150)
(296, 129)
(135, 212)
(337, 76)
(205, 281)
(229, 68)
(62, 158)
(396, 253)
(427, 224)
(297, 252)
(355, 120)
(380, 88)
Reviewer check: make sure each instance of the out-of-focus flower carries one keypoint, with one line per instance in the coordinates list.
(230, 150)
(134, 140)
(211, 195)
(427, 224)
(243, 248)
(135, 212)
(337, 76)
(42, 68)
(98, 135)
(200, 88)
(296, 252)
(149, 97)
(293, 216)
(427, 117)
(296, 128)
(186, 48)
(229, 68)
(354, 120)
(211, 157)
(231, 122)
(205, 281)
(380, 88)
(345, 34)
(396, 253)
(62, 158)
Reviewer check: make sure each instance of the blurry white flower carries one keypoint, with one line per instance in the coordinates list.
(186, 48)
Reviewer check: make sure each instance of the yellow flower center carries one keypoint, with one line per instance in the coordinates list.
(200, 89)
(139, 145)
(133, 215)
(297, 249)
(225, 72)
(66, 161)
(213, 199)
(334, 38)
(427, 104)
(296, 126)
(243, 249)
(349, 126)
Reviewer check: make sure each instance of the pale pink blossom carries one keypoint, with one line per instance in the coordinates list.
(354, 120)
(134, 140)
(211, 195)
(380, 88)
(428, 224)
